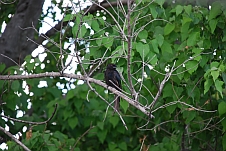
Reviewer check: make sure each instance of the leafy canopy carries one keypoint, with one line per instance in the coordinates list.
(191, 109)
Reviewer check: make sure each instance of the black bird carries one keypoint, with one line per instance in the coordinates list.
(113, 79)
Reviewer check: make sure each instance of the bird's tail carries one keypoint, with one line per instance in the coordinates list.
(117, 104)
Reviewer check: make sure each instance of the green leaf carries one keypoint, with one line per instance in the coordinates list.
(221, 67)
(169, 28)
(2, 67)
(86, 60)
(207, 84)
(154, 44)
(222, 108)
(69, 17)
(197, 51)
(215, 74)
(186, 20)
(214, 65)
(171, 108)
(224, 77)
(160, 2)
(191, 66)
(153, 57)
(82, 32)
(95, 25)
(70, 94)
(72, 122)
(167, 91)
(15, 85)
(102, 135)
(160, 39)
(88, 19)
(124, 105)
(215, 10)
(143, 34)
(143, 40)
(218, 85)
(75, 28)
(224, 38)
(223, 122)
(99, 41)
(60, 136)
(192, 40)
(28, 58)
(184, 30)
(166, 47)
(77, 149)
(188, 9)
(118, 52)
(112, 146)
(224, 141)
(100, 125)
(179, 9)
(154, 13)
(189, 116)
(67, 114)
(143, 49)
(78, 103)
(114, 120)
(122, 145)
(213, 25)
(11, 101)
(197, 54)
(107, 41)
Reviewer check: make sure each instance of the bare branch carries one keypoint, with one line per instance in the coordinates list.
(87, 131)
(129, 48)
(79, 77)
(14, 139)
(33, 123)
(90, 10)
(109, 105)
(10, 59)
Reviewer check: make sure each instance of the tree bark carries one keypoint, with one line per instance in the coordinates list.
(13, 42)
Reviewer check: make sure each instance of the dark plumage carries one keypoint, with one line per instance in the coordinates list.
(113, 79)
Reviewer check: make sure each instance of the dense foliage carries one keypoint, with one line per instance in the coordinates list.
(190, 112)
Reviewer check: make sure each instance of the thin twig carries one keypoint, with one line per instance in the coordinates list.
(33, 123)
(123, 122)
(11, 60)
(129, 48)
(61, 52)
(161, 86)
(91, 127)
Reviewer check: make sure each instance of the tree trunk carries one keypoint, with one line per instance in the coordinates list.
(14, 41)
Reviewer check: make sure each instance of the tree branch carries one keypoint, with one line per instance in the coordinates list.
(90, 10)
(33, 123)
(79, 77)
(13, 138)
(129, 48)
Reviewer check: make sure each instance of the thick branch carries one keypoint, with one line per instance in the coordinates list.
(79, 77)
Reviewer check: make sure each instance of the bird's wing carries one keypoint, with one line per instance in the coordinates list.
(117, 79)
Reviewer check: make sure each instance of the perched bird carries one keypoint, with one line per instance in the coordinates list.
(113, 79)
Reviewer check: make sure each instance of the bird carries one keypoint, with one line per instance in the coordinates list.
(113, 79)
